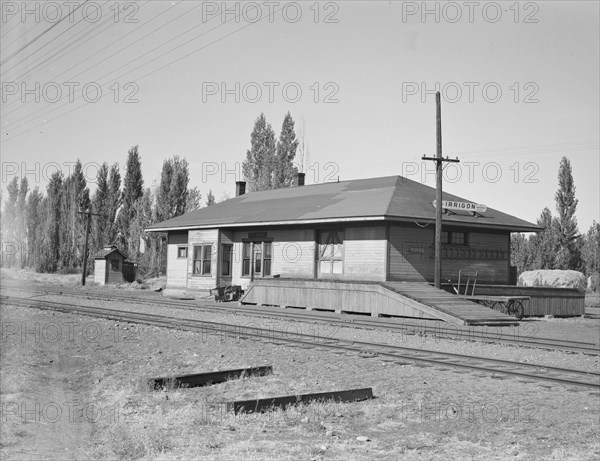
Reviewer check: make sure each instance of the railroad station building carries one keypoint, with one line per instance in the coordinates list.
(379, 229)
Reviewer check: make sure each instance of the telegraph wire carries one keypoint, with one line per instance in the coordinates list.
(145, 75)
(11, 29)
(65, 50)
(139, 57)
(115, 41)
(73, 40)
(36, 38)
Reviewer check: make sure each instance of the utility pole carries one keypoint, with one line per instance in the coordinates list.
(87, 237)
(439, 161)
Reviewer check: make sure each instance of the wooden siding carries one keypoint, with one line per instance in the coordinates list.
(412, 252)
(176, 267)
(100, 271)
(365, 253)
(202, 237)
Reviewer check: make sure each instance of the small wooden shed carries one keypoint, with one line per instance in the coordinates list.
(111, 266)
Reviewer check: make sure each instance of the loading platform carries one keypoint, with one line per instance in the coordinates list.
(401, 299)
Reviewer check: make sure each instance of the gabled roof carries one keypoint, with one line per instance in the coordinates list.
(102, 254)
(391, 198)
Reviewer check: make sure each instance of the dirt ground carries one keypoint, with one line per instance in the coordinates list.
(75, 388)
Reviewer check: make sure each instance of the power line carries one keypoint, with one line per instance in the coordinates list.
(73, 40)
(62, 50)
(139, 57)
(42, 34)
(10, 30)
(147, 74)
(110, 44)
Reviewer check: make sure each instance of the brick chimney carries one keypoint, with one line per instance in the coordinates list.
(240, 188)
(299, 180)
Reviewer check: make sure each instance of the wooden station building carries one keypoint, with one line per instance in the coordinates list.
(330, 245)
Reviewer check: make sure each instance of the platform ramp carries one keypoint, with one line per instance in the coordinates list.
(401, 299)
(449, 307)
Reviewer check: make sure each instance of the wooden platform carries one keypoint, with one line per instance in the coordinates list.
(469, 312)
(402, 299)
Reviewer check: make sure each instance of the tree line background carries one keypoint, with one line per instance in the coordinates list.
(46, 231)
(560, 245)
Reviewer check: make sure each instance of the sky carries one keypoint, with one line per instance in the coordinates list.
(519, 84)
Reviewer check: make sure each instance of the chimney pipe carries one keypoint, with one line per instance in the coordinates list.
(240, 188)
(300, 179)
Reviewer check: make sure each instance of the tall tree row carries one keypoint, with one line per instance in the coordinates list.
(559, 245)
(270, 164)
(47, 232)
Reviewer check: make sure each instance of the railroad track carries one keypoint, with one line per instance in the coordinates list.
(530, 373)
(523, 335)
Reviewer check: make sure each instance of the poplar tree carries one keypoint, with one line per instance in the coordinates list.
(33, 222)
(113, 203)
(210, 198)
(75, 198)
(543, 245)
(258, 166)
(193, 200)
(567, 234)
(106, 202)
(284, 170)
(21, 221)
(133, 185)
(9, 237)
(173, 191)
(99, 206)
(48, 233)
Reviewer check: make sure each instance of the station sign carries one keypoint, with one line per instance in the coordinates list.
(462, 206)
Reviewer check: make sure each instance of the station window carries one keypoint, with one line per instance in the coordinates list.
(331, 252)
(226, 252)
(454, 238)
(262, 258)
(202, 260)
(182, 252)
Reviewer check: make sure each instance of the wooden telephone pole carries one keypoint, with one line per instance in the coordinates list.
(439, 161)
(87, 237)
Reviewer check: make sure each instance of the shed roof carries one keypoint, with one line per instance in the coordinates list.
(103, 254)
(391, 198)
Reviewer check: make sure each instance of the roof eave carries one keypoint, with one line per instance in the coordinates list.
(511, 228)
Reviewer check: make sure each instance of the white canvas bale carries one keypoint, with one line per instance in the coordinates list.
(553, 278)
